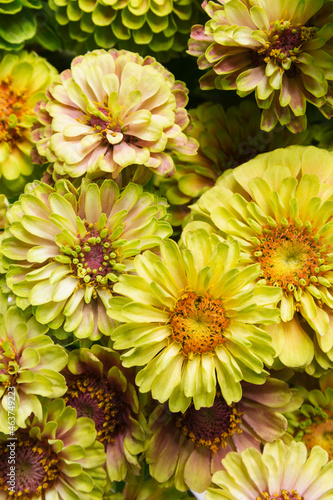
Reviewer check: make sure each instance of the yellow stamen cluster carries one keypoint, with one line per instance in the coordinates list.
(198, 323)
(283, 495)
(12, 106)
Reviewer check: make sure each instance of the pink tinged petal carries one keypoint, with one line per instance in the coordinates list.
(198, 33)
(92, 205)
(207, 82)
(248, 80)
(264, 89)
(245, 440)
(124, 154)
(267, 425)
(197, 473)
(268, 120)
(291, 94)
(218, 457)
(232, 63)
(115, 461)
(75, 130)
(237, 14)
(165, 165)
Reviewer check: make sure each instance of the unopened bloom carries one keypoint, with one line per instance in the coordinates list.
(29, 367)
(56, 456)
(191, 316)
(281, 472)
(65, 248)
(282, 51)
(194, 443)
(24, 78)
(113, 110)
(279, 208)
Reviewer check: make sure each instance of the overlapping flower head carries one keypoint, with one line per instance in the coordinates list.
(149, 27)
(278, 206)
(192, 444)
(227, 138)
(56, 456)
(24, 77)
(113, 110)
(65, 249)
(281, 472)
(191, 316)
(313, 422)
(100, 388)
(29, 367)
(282, 51)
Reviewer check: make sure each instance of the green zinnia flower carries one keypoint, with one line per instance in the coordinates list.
(29, 367)
(279, 207)
(110, 111)
(191, 316)
(281, 472)
(194, 443)
(141, 26)
(56, 457)
(65, 249)
(24, 77)
(227, 138)
(283, 51)
(100, 388)
(313, 422)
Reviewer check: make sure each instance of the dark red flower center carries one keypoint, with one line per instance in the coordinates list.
(211, 427)
(36, 468)
(95, 398)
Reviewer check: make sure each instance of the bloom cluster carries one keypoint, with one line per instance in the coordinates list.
(166, 253)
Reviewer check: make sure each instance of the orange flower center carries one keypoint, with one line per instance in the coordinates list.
(320, 432)
(12, 106)
(290, 257)
(198, 323)
(283, 495)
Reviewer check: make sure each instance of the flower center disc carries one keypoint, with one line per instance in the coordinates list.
(283, 495)
(12, 107)
(36, 468)
(198, 323)
(93, 260)
(94, 398)
(289, 257)
(284, 41)
(211, 427)
(320, 433)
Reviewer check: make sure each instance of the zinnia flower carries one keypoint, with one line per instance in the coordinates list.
(192, 316)
(113, 110)
(281, 472)
(65, 249)
(144, 27)
(313, 422)
(283, 51)
(29, 367)
(194, 443)
(24, 78)
(227, 138)
(279, 207)
(101, 389)
(56, 456)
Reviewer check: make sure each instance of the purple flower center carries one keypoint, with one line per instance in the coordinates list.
(35, 471)
(93, 260)
(95, 398)
(211, 427)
